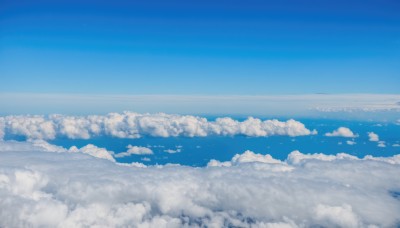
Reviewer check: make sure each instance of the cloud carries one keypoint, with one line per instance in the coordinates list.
(65, 189)
(136, 150)
(341, 132)
(381, 144)
(177, 149)
(172, 151)
(94, 151)
(135, 125)
(43, 146)
(373, 137)
(349, 142)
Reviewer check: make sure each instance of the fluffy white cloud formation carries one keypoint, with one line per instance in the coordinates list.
(43, 146)
(137, 150)
(73, 190)
(373, 137)
(341, 132)
(41, 189)
(381, 144)
(135, 125)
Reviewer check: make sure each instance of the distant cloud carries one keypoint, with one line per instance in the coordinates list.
(246, 157)
(381, 144)
(341, 132)
(134, 150)
(135, 125)
(172, 151)
(349, 142)
(373, 137)
(68, 189)
(43, 146)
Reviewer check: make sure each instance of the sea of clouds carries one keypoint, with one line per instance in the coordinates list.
(135, 125)
(43, 185)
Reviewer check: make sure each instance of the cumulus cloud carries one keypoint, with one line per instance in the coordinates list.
(349, 142)
(136, 150)
(373, 137)
(381, 144)
(341, 132)
(41, 189)
(247, 157)
(135, 125)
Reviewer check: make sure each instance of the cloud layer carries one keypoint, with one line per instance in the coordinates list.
(43, 189)
(135, 125)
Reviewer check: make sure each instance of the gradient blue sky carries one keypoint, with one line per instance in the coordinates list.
(200, 47)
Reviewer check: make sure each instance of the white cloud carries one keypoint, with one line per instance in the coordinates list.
(341, 132)
(177, 149)
(373, 137)
(396, 145)
(75, 190)
(94, 151)
(135, 125)
(381, 144)
(349, 142)
(136, 150)
(43, 146)
(172, 151)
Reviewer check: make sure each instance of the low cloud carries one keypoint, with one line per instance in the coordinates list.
(341, 132)
(349, 142)
(135, 125)
(63, 189)
(381, 144)
(373, 137)
(134, 150)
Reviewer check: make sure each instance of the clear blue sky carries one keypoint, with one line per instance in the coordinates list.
(200, 47)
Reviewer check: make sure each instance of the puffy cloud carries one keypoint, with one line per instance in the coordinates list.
(341, 132)
(349, 142)
(373, 137)
(137, 150)
(396, 145)
(381, 144)
(30, 126)
(135, 125)
(94, 151)
(67, 189)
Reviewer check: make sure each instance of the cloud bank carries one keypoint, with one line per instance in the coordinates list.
(135, 125)
(62, 189)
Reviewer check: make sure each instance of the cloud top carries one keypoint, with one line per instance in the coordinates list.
(135, 125)
(308, 190)
(136, 150)
(341, 132)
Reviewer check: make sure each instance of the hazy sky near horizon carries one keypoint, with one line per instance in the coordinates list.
(200, 47)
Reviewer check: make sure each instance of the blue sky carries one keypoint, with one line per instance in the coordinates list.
(200, 47)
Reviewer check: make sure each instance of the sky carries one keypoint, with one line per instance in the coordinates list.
(199, 47)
